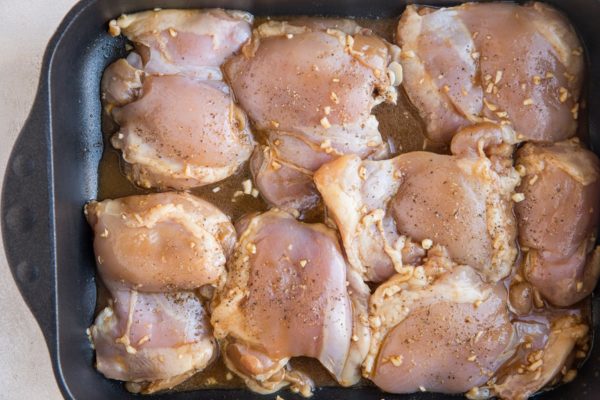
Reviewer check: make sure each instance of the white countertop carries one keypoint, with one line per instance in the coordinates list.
(25, 369)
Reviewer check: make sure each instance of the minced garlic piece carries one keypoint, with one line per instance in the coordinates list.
(113, 28)
(362, 173)
(534, 179)
(518, 197)
(536, 79)
(498, 76)
(143, 340)
(570, 375)
(247, 186)
(563, 94)
(303, 263)
(251, 247)
(535, 365)
(575, 111)
(396, 360)
(334, 98)
(528, 102)
(327, 110)
(216, 189)
(211, 380)
(427, 243)
(325, 123)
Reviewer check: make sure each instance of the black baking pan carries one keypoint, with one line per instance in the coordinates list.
(53, 172)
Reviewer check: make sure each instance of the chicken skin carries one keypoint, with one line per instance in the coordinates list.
(289, 293)
(179, 126)
(152, 252)
(411, 316)
(153, 341)
(558, 219)
(389, 212)
(549, 345)
(503, 62)
(309, 87)
(161, 242)
(185, 42)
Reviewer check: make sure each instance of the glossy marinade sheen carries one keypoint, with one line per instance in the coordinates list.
(400, 126)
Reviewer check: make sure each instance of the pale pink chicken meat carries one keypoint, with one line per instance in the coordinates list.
(437, 327)
(185, 42)
(550, 346)
(154, 253)
(153, 341)
(181, 132)
(389, 212)
(309, 86)
(558, 219)
(161, 242)
(178, 124)
(289, 293)
(518, 65)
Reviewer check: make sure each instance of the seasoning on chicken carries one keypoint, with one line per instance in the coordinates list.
(549, 348)
(179, 126)
(153, 341)
(437, 327)
(558, 219)
(152, 252)
(289, 293)
(390, 212)
(502, 62)
(186, 42)
(309, 86)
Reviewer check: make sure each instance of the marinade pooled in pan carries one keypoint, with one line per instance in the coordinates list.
(400, 126)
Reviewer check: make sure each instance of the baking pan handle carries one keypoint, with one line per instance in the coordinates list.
(26, 214)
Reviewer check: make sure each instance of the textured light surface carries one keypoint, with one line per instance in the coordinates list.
(25, 369)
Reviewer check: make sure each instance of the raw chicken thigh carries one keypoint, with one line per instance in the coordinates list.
(309, 87)
(437, 327)
(161, 242)
(186, 42)
(289, 293)
(549, 346)
(389, 212)
(518, 65)
(179, 126)
(154, 341)
(558, 219)
(152, 251)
